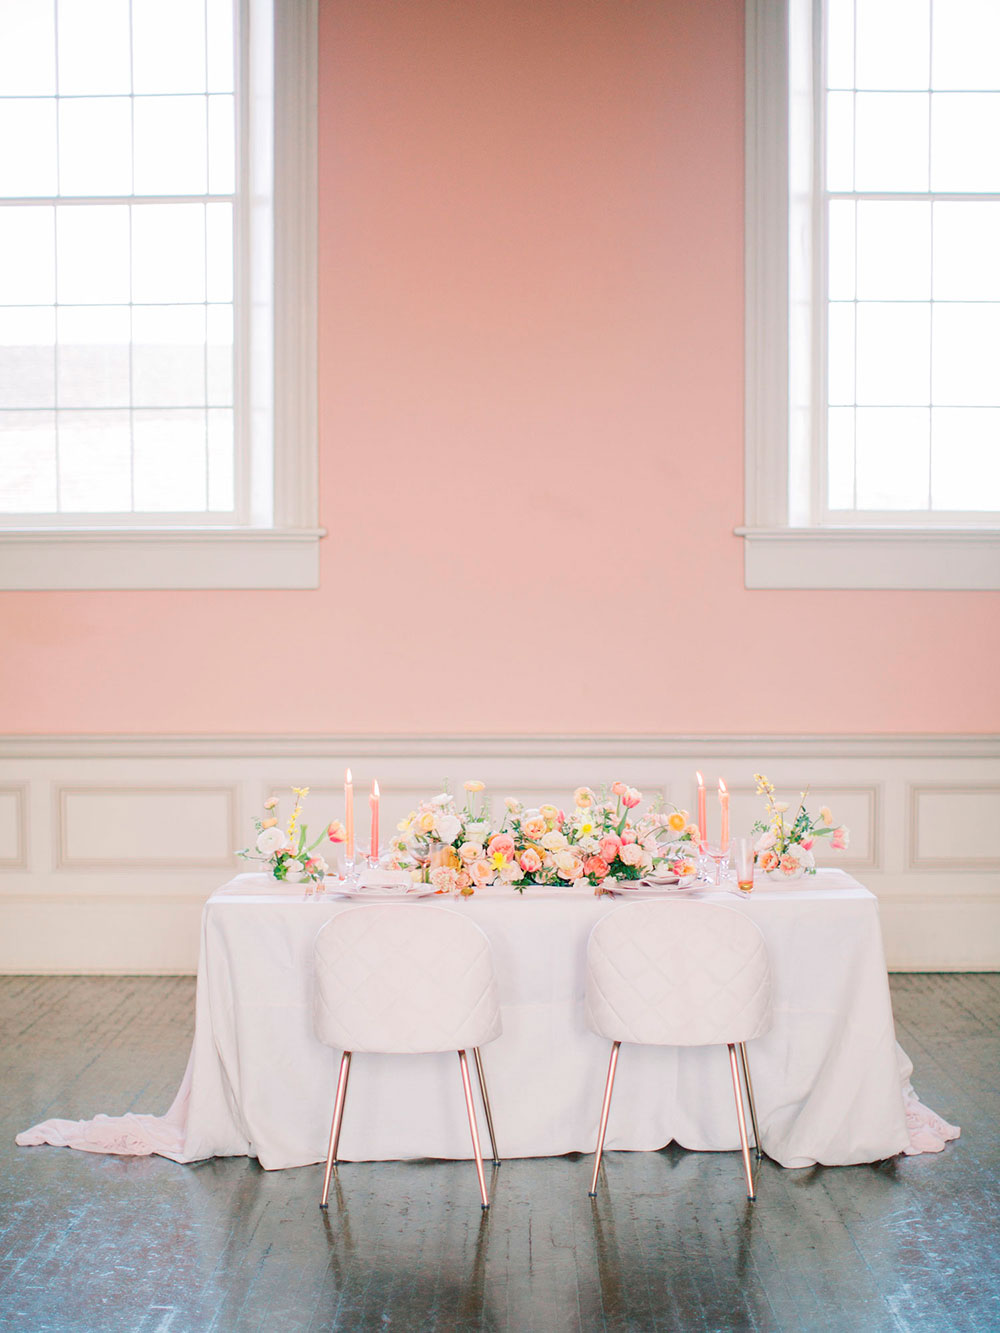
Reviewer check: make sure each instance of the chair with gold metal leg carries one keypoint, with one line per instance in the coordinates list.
(679, 974)
(406, 979)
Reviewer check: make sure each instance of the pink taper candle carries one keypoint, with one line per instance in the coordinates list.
(373, 801)
(702, 818)
(349, 815)
(724, 802)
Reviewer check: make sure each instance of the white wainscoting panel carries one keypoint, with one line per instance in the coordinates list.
(110, 845)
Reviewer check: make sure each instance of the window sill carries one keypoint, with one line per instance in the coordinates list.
(874, 558)
(99, 558)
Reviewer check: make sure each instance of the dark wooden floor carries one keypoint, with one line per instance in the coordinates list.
(142, 1245)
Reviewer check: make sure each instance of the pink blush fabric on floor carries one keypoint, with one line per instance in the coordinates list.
(832, 1084)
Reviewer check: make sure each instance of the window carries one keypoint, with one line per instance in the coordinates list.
(154, 431)
(873, 432)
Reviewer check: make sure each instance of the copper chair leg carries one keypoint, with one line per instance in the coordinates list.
(604, 1116)
(481, 1074)
(467, 1086)
(338, 1116)
(745, 1062)
(744, 1145)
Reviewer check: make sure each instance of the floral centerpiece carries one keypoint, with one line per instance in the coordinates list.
(784, 847)
(286, 853)
(599, 841)
(429, 838)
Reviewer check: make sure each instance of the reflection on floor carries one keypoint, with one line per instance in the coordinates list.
(142, 1245)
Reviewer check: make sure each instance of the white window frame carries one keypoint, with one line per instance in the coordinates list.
(276, 234)
(784, 546)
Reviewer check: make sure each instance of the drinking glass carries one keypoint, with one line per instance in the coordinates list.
(718, 853)
(743, 857)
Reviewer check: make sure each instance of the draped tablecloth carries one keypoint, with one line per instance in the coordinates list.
(830, 1081)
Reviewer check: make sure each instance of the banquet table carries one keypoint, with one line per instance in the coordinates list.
(829, 1078)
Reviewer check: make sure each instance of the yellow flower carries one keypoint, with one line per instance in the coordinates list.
(301, 791)
(268, 823)
(474, 785)
(404, 825)
(677, 821)
(426, 822)
(825, 814)
(498, 860)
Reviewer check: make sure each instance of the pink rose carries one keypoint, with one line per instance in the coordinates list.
(631, 853)
(631, 798)
(481, 872)
(629, 835)
(608, 848)
(569, 866)
(530, 861)
(839, 839)
(502, 843)
(596, 866)
(619, 788)
(807, 844)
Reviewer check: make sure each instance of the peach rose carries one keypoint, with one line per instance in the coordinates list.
(481, 872)
(501, 845)
(554, 841)
(596, 866)
(463, 880)
(470, 851)
(631, 854)
(608, 848)
(619, 788)
(530, 861)
(534, 827)
(569, 866)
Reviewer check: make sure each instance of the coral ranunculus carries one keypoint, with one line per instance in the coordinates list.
(596, 866)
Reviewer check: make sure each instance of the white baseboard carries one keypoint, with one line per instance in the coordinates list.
(109, 845)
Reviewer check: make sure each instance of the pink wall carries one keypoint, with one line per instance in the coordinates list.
(531, 426)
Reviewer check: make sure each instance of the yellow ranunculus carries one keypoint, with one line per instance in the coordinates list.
(474, 785)
(677, 821)
(426, 822)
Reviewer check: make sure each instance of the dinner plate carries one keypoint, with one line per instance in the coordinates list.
(384, 893)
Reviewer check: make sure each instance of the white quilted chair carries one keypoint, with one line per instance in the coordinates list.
(679, 974)
(405, 980)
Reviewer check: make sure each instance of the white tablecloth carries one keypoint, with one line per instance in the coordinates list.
(827, 1076)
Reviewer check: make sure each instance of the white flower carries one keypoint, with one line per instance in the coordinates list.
(270, 840)
(588, 846)
(510, 872)
(554, 841)
(443, 798)
(765, 841)
(447, 827)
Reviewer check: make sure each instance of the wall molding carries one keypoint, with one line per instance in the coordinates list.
(135, 905)
(19, 861)
(889, 746)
